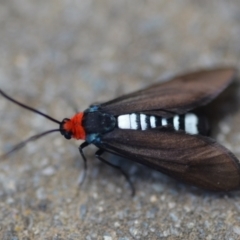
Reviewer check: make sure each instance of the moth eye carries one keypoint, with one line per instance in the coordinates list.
(68, 135)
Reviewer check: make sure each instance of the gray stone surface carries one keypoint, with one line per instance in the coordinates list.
(59, 54)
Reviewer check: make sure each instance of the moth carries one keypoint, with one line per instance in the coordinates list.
(157, 127)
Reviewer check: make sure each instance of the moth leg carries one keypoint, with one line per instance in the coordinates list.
(81, 147)
(98, 156)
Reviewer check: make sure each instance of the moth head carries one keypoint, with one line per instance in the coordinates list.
(73, 128)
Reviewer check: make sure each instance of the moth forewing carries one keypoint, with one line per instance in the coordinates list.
(194, 159)
(177, 96)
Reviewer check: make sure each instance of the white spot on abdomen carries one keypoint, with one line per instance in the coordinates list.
(152, 121)
(191, 122)
(133, 121)
(164, 122)
(143, 121)
(176, 122)
(124, 121)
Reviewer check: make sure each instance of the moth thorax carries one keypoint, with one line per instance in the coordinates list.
(98, 122)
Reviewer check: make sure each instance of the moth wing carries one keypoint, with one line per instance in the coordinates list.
(180, 95)
(193, 159)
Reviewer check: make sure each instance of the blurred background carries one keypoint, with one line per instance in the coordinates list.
(59, 55)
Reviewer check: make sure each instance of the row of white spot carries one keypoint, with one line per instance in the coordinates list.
(129, 121)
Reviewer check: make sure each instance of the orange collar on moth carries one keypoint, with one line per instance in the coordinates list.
(74, 125)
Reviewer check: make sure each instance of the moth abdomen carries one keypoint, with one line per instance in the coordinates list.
(191, 123)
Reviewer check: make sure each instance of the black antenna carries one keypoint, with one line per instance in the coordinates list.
(29, 108)
(23, 143)
(33, 138)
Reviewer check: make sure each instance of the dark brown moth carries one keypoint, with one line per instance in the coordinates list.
(156, 127)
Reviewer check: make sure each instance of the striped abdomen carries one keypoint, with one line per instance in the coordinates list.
(189, 122)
